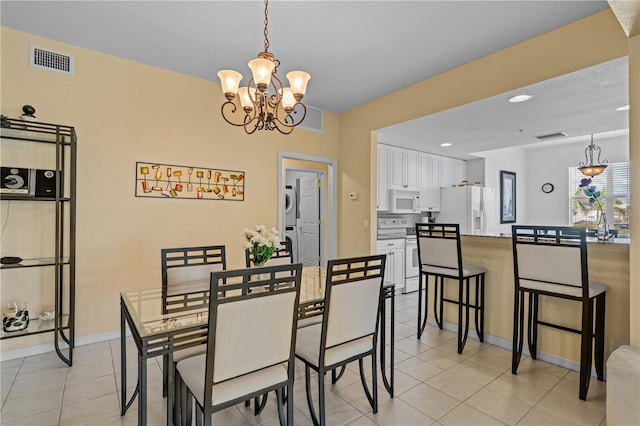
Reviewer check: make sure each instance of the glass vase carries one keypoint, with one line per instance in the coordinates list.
(602, 228)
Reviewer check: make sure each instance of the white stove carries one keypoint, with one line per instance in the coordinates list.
(390, 228)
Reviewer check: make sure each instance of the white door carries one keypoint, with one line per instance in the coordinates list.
(309, 247)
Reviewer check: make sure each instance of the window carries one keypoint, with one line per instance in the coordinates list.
(613, 185)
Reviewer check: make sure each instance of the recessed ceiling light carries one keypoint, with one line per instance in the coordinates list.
(520, 98)
(623, 108)
(445, 144)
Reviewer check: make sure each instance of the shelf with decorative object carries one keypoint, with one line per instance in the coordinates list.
(38, 195)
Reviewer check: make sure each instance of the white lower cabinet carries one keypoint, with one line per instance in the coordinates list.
(411, 284)
(394, 267)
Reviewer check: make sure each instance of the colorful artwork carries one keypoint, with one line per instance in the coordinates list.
(186, 182)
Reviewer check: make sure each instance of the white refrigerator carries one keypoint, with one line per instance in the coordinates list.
(473, 207)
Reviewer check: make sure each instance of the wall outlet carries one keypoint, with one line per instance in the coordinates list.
(365, 224)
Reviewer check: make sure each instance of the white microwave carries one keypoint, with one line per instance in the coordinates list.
(404, 201)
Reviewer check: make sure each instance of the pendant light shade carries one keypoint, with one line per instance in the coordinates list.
(588, 167)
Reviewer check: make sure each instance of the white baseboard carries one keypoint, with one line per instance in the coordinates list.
(506, 344)
(48, 347)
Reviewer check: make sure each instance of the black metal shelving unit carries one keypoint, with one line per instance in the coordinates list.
(63, 258)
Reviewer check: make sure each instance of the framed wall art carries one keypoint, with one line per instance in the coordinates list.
(507, 197)
(155, 180)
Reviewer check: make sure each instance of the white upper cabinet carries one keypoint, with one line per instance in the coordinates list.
(410, 170)
(452, 171)
(429, 182)
(404, 169)
(383, 178)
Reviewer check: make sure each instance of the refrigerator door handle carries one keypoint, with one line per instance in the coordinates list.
(483, 214)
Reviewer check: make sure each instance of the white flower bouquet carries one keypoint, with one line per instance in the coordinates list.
(261, 243)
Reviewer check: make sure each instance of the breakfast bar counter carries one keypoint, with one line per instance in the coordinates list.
(608, 264)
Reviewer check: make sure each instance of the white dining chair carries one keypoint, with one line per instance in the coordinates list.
(349, 328)
(250, 343)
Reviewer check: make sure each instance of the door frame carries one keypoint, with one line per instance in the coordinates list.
(331, 246)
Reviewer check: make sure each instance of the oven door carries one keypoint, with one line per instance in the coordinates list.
(411, 267)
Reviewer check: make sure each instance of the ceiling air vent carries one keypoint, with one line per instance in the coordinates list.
(551, 136)
(52, 61)
(313, 120)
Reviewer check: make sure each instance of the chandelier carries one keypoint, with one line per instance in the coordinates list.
(588, 168)
(265, 103)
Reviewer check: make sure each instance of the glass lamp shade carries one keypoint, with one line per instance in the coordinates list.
(592, 170)
(230, 80)
(247, 94)
(298, 81)
(262, 70)
(288, 100)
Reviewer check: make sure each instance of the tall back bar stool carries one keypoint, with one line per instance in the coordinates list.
(440, 256)
(552, 261)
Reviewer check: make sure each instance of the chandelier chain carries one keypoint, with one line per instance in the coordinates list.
(266, 24)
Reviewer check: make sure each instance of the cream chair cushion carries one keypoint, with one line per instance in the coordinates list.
(308, 346)
(192, 371)
(467, 271)
(595, 288)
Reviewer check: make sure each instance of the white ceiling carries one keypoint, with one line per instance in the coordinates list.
(355, 51)
(579, 104)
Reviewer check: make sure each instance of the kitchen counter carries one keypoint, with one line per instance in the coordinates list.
(590, 240)
(608, 264)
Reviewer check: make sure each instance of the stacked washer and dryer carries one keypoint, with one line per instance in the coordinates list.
(290, 218)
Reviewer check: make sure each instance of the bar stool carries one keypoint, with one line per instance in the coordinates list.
(552, 261)
(440, 256)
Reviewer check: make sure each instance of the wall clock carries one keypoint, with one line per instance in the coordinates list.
(547, 188)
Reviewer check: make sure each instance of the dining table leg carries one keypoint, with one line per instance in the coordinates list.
(142, 393)
(123, 364)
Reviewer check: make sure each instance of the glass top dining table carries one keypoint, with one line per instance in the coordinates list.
(162, 320)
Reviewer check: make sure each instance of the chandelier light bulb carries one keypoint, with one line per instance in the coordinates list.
(298, 81)
(262, 70)
(230, 81)
(288, 100)
(247, 94)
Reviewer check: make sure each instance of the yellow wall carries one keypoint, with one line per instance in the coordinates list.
(126, 112)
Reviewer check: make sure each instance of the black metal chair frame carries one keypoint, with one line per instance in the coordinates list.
(184, 257)
(224, 293)
(343, 271)
(571, 239)
(449, 232)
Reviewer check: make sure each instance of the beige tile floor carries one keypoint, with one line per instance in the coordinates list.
(434, 385)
